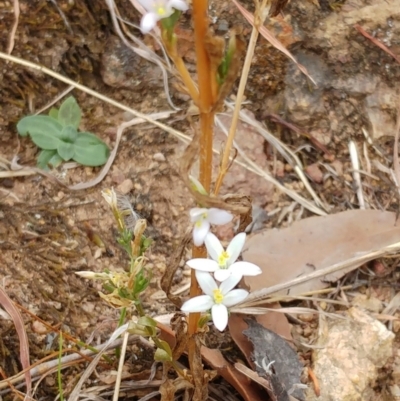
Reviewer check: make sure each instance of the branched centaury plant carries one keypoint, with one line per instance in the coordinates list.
(124, 289)
(213, 280)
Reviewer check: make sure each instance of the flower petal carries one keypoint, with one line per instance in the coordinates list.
(219, 216)
(245, 269)
(214, 247)
(148, 22)
(219, 315)
(205, 265)
(235, 247)
(147, 4)
(206, 283)
(200, 232)
(196, 213)
(222, 274)
(201, 303)
(230, 282)
(179, 5)
(234, 297)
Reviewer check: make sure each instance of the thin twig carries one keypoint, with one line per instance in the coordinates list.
(356, 173)
(376, 42)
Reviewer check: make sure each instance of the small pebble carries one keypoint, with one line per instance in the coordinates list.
(315, 173)
(39, 328)
(125, 187)
(159, 157)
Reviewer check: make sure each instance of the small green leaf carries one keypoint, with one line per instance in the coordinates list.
(44, 158)
(70, 113)
(53, 113)
(147, 321)
(89, 139)
(165, 346)
(163, 353)
(56, 160)
(134, 328)
(66, 150)
(162, 356)
(39, 124)
(90, 150)
(69, 134)
(48, 157)
(45, 140)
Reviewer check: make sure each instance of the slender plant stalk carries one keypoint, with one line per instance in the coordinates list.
(258, 20)
(205, 79)
(184, 73)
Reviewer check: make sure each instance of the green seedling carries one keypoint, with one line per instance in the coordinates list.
(58, 136)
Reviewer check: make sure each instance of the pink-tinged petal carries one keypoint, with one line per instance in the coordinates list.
(196, 213)
(206, 283)
(219, 216)
(200, 232)
(148, 22)
(235, 297)
(235, 247)
(214, 247)
(222, 274)
(230, 282)
(219, 315)
(205, 265)
(201, 303)
(246, 269)
(179, 5)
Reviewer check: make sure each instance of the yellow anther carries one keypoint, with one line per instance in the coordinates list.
(160, 10)
(218, 296)
(222, 260)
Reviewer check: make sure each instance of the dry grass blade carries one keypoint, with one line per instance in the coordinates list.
(396, 162)
(11, 40)
(263, 294)
(75, 394)
(376, 42)
(271, 39)
(256, 169)
(9, 306)
(286, 152)
(40, 369)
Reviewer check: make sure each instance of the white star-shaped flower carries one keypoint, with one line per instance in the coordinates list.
(203, 218)
(223, 262)
(157, 10)
(217, 298)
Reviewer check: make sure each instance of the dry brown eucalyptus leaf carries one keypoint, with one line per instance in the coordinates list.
(242, 384)
(316, 243)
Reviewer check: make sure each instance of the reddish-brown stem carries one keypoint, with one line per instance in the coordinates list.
(205, 82)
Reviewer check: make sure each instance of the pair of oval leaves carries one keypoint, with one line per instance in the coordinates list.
(58, 137)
